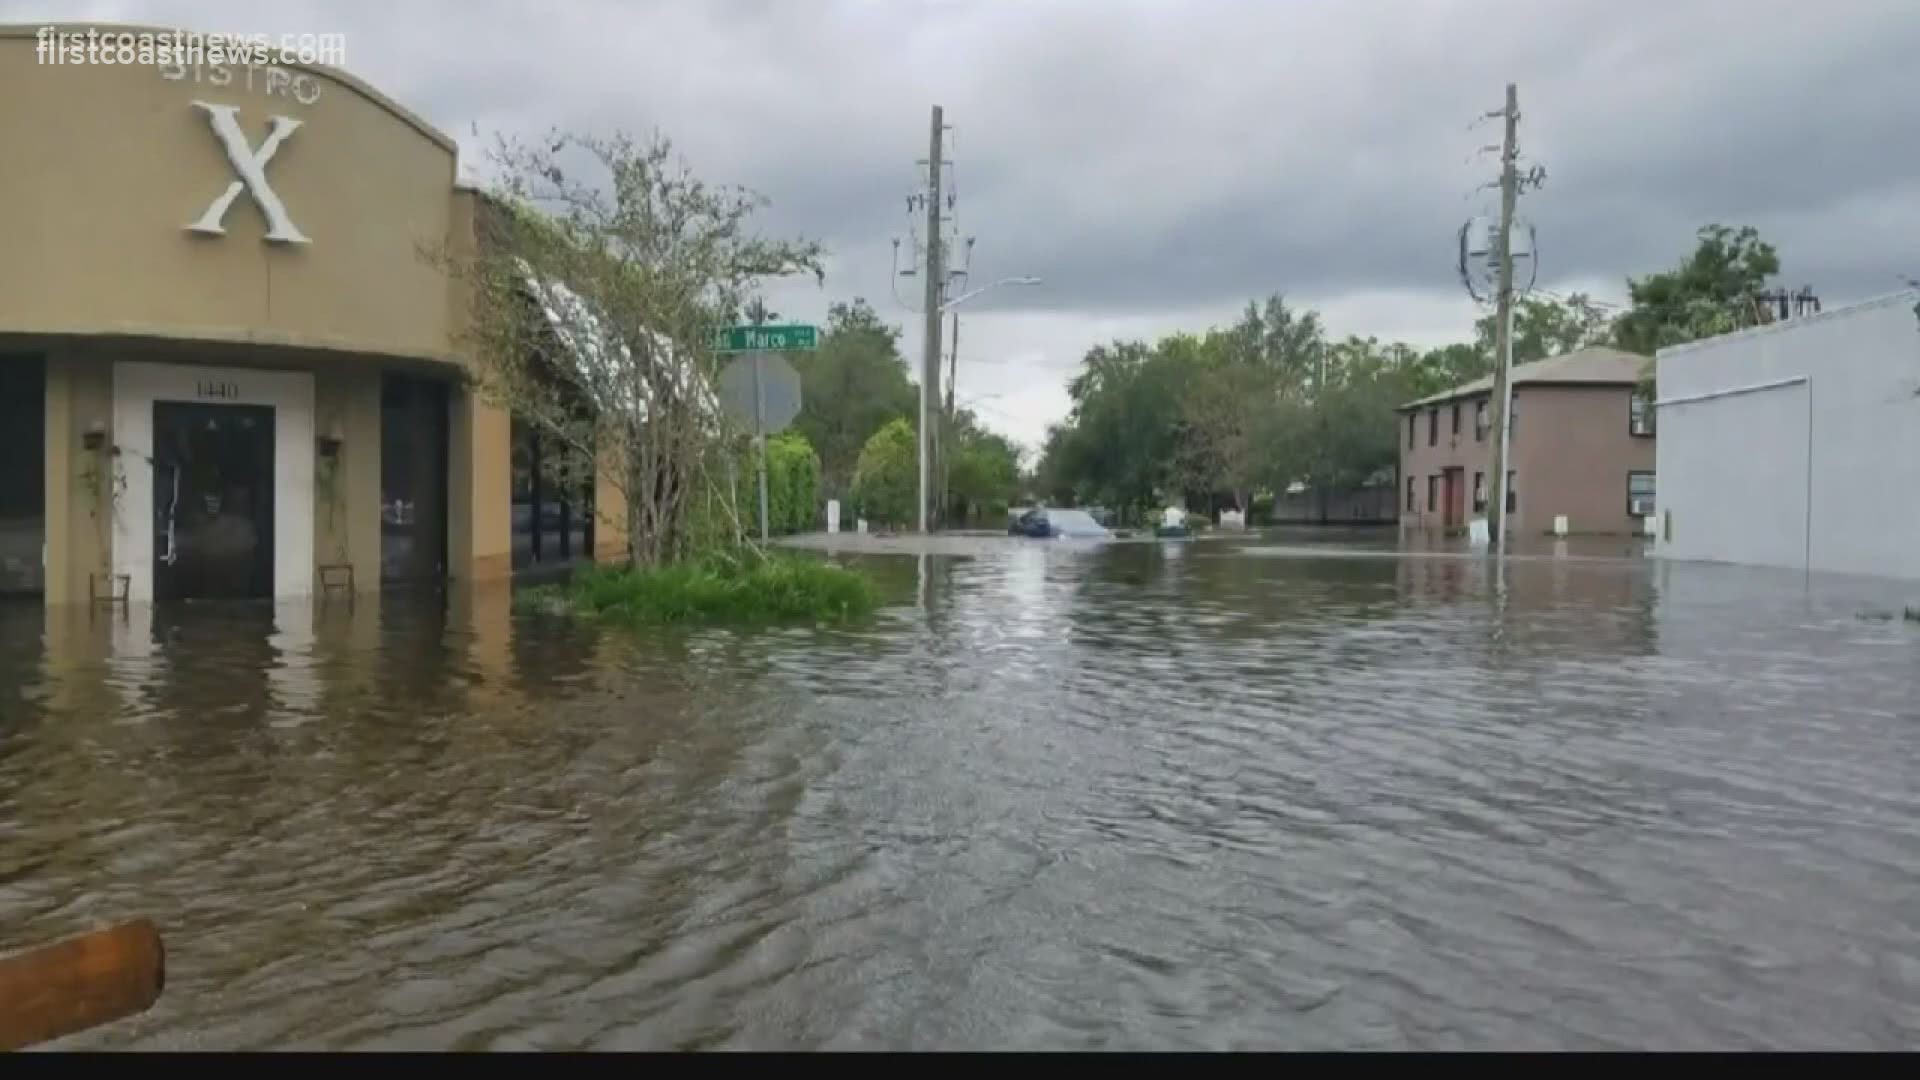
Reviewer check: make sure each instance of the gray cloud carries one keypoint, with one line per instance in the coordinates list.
(1157, 161)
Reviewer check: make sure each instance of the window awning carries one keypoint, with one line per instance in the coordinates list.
(603, 362)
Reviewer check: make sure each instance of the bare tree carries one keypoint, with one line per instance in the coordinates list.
(602, 271)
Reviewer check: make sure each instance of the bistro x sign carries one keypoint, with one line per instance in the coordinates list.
(251, 165)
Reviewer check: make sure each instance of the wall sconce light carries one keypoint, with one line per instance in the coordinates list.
(330, 442)
(96, 435)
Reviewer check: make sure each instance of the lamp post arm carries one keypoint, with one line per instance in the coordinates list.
(966, 296)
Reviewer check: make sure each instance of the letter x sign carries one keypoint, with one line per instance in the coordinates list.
(251, 165)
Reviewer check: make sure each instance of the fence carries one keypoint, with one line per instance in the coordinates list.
(1356, 506)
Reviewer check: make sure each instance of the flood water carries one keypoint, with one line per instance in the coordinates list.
(1292, 791)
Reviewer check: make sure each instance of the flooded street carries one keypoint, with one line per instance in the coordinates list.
(1286, 791)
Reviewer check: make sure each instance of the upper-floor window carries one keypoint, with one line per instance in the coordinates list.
(1410, 419)
(1480, 420)
(1456, 419)
(1433, 426)
(1640, 415)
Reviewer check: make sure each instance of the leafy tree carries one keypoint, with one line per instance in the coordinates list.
(1126, 412)
(1544, 327)
(1711, 292)
(596, 296)
(1275, 336)
(985, 476)
(1228, 410)
(886, 480)
(850, 388)
(1263, 403)
(1344, 434)
(1447, 366)
(1061, 468)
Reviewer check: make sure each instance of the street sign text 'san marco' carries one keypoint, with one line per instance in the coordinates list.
(766, 338)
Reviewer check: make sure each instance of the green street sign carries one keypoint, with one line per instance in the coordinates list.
(767, 338)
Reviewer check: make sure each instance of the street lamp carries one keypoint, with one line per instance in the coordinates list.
(924, 441)
(966, 296)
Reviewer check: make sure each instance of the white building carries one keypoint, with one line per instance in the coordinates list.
(1796, 444)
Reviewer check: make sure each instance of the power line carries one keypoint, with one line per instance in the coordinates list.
(1567, 298)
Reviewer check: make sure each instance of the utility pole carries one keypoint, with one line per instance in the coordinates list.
(936, 280)
(1503, 362)
(948, 425)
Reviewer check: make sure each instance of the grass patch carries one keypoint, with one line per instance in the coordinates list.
(727, 587)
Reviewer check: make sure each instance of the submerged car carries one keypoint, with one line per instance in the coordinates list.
(1046, 524)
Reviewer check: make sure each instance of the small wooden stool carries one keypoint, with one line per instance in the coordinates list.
(337, 576)
(118, 588)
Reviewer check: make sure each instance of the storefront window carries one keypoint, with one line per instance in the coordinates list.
(552, 501)
(413, 479)
(23, 457)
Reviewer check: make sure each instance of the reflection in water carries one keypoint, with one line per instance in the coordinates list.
(1271, 792)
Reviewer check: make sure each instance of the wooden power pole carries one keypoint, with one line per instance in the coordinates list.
(1503, 361)
(936, 281)
(949, 441)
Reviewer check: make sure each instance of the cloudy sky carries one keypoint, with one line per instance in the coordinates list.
(1160, 163)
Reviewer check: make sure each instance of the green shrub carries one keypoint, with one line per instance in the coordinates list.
(886, 478)
(721, 586)
(793, 492)
(793, 484)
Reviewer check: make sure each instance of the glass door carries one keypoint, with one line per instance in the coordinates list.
(212, 500)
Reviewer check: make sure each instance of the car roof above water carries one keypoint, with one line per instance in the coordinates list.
(1075, 523)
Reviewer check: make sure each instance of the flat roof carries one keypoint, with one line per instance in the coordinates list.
(1903, 296)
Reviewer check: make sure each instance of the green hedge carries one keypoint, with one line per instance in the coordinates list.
(793, 493)
(793, 484)
(720, 586)
(885, 479)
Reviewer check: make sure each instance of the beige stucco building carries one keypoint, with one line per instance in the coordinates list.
(229, 364)
(1582, 448)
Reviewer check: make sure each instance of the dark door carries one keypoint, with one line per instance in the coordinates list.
(413, 479)
(1456, 504)
(212, 500)
(23, 491)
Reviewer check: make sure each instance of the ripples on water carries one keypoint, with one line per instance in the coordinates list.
(1167, 796)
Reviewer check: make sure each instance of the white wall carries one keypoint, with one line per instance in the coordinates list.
(1818, 414)
(136, 386)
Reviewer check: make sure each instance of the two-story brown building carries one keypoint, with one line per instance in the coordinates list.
(227, 365)
(1582, 449)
